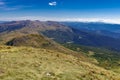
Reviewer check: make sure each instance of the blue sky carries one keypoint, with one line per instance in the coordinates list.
(60, 9)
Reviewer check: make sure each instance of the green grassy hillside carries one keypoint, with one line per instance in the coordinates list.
(26, 63)
(40, 41)
(29, 55)
(105, 58)
(32, 40)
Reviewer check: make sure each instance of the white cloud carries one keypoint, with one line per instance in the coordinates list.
(52, 3)
(23, 18)
(106, 20)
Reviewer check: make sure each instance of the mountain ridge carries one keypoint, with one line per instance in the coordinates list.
(55, 31)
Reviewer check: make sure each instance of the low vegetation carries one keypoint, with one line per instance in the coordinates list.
(105, 58)
(27, 63)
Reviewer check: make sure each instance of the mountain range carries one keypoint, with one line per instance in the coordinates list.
(74, 45)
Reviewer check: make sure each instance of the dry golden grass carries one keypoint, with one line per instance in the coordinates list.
(26, 63)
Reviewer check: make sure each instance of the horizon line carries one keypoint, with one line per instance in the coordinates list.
(102, 20)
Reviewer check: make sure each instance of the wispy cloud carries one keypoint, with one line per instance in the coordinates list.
(52, 3)
(5, 6)
(15, 7)
(8, 8)
(2, 3)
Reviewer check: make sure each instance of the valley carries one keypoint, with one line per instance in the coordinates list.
(49, 50)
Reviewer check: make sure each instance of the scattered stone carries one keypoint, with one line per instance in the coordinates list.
(50, 74)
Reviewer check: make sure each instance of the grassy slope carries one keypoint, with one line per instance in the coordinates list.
(33, 40)
(106, 58)
(40, 41)
(26, 63)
